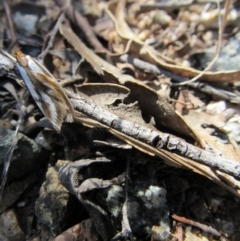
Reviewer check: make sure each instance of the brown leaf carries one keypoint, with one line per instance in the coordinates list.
(107, 118)
(82, 231)
(116, 11)
(150, 102)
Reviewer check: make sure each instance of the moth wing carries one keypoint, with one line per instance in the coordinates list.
(42, 101)
(55, 90)
(27, 82)
(51, 100)
(59, 98)
(36, 67)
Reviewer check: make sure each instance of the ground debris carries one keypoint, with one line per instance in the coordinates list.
(149, 153)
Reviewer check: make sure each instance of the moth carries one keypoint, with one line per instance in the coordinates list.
(45, 90)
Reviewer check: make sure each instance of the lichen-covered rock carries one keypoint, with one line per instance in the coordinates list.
(56, 208)
(27, 157)
(10, 229)
(26, 164)
(104, 198)
(161, 234)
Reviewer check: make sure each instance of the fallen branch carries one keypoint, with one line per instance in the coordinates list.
(156, 139)
(153, 138)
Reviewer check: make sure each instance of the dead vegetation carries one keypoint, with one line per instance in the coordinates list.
(120, 120)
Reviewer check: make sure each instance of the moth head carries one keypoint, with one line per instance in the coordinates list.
(21, 57)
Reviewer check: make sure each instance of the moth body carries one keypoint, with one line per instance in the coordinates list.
(45, 90)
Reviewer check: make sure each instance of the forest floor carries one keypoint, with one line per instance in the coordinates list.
(120, 120)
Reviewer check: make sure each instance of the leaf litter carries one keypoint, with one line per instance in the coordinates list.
(146, 157)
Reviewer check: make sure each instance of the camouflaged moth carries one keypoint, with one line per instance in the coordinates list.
(45, 90)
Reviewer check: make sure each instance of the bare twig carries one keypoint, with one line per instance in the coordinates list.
(221, 27)
(51, 36)
(156, 139)
(170, 5)
(215, 92)
(83, 24)
(179, 232)
(126, 232)
(204, 227)
(10, 22)
(205, 88)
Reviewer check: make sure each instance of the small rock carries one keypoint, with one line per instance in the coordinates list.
(228, 229)
(55, 207)
(161, 234)
(27, 157)
(10, 229)
(199, 208)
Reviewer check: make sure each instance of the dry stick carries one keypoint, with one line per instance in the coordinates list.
(168, 5)
(219, 93)
(126, 232)
(221, 27)
(179, 232)
(171, 5)
(204, 227)
(51, 36)
(150, 68)
(156, 139)
(10, 22)
(83, 24)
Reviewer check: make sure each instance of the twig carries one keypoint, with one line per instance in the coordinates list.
(156, 139)
(221, 27)
(126, 232)
(171, 5)
(10, 22)
(215, 92)
(204, 227)
(7, 68)
(51, 36)
(179, 232)
(168, 5)
(150, 68)
(83, 24)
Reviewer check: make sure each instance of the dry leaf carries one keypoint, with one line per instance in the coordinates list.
(116, 11)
